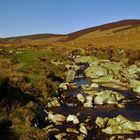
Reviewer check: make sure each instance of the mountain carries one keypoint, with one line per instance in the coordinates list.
(122, 34)
(109, 26)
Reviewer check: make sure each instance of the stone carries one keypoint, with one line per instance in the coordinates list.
(72, 130)
(108, 97)
(83, 129)
(101, 122)
(94, 86)
(81, 98)
(81, 137)
(72, 118)
(96, 72)
(56, 117)
(118, 125)
(48, 127)
(122, 106)
(73, 86)
(63, 86)
(60, 136)
(135, 84)
(86, 88)
(58, 123)
(88, 103)
(53, 103)
(133, 71)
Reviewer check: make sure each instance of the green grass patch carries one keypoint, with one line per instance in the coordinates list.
(29, 56)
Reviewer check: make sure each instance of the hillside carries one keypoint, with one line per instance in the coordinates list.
(121, 34)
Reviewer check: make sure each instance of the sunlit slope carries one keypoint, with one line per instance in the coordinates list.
(120, 34)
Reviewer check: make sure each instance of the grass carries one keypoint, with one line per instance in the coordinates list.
(29, 56)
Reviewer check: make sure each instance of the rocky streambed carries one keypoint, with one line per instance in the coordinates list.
(100, 100)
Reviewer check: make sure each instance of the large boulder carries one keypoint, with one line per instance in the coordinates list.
(108, 97)
(96, 72)
(118, 125)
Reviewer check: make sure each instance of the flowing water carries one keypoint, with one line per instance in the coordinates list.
(71, 105)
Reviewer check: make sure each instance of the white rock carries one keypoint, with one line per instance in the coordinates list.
(60, 136)
(83, 129)
(72, 118)
(56, 117)
(63, 86)
(94, 86)
(88, 101)
(81, 98)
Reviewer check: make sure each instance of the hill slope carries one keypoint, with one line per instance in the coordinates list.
(124, 33)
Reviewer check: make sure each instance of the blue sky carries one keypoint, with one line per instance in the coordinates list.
(23, 17)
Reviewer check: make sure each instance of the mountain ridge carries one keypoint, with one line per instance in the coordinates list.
(131, 22)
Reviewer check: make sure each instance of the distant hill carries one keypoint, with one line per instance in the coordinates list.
(124, 33)
(122, 23)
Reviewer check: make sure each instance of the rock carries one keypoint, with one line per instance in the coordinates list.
(122, 106)
(72, 118)
(88, 101)
(86, 88)
(101, 122)
(83, 129)
(60, 136)
(108, 97)
(91, 92)
(48, 127)
(63, 86)
(135, 84)
(117, 138)
(58, 123)
(70, 75)
(81, 137)
(73, 86)
(52, 130)
(112, 138)
(94, 86)
(81, 98)
(53, 103)
(56, 117)
(133, 71)
(119, 96)
(118, 125)
(72, 130)
(96, 72)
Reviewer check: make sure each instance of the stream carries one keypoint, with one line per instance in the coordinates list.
(70, 105)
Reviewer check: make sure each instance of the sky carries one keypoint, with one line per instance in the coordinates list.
(25, 17)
